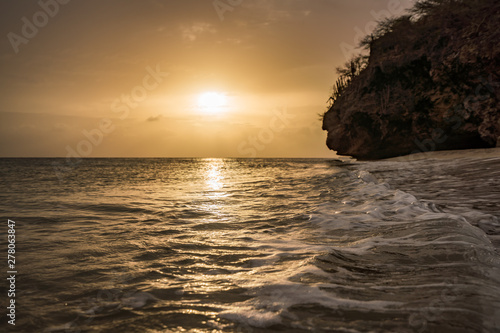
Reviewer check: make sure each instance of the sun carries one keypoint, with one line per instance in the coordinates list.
(212, 101)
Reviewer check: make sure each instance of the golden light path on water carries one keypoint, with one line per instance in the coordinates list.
(212, 231)
(214, 175)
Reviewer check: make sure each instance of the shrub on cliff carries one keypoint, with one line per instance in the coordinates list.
(422, 68)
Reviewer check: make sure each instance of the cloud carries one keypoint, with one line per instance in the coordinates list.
(157, 118)
(192, 32)
(61, 127)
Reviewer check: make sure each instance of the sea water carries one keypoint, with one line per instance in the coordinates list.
(254, 245)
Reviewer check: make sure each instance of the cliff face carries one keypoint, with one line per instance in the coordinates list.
(430, 83)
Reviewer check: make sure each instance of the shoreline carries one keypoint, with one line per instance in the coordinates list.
(447, 155)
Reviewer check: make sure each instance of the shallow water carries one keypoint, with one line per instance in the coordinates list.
(236, 245)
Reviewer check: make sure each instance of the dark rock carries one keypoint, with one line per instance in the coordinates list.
(430, 83)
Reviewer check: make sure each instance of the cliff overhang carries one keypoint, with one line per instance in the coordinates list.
(429, 83)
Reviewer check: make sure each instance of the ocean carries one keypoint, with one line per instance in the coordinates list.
(253, 245)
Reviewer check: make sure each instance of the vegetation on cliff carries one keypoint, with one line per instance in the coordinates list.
(430, 82)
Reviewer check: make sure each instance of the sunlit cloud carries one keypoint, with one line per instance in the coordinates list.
(192, 33)
(154, 118)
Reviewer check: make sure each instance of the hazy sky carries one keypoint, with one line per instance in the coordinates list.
(124, 77)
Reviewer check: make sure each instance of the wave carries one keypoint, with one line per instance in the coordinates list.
(375, 252)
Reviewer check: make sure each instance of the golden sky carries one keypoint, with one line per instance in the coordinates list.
(174, 78)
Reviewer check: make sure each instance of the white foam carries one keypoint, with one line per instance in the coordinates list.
(251, 316)
(449, 154)
(137, 300)
(274, 300)
(370, 216)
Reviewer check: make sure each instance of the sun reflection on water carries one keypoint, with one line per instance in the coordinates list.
(213, 174)
(214, 187)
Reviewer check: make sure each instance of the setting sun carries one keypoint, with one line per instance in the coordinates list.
(212, 101)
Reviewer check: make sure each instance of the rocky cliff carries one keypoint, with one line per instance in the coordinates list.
(431, 82)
